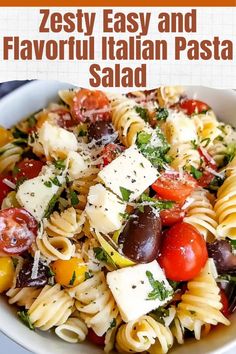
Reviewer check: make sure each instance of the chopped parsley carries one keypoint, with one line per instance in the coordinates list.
(82, 133)
(125, 193)
(24, 317)
(31, 121)
(195, 173)
(215, 184)
(159, 290)
(48, 184)
(230, 153)
(156, 154)
(74, 198)
(143, 112)
(20, 181)
(17, 133)
(103, 256)
(72, 278)
(159, 314)
(55, 181)
(194, 144)
(112, 324)
(88, 275)
(51, 206)
(59, 164)
(205, 142)
(155, 203)
(124, 216)
(162, 114)
(15, 171)
(233, 243)
(50, 272)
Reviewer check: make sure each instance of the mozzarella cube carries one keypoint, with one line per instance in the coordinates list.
(36, 194)
(56, 140)
(104, 209)
(132, 289)
(130, 171)
(179, 128)
(77, 165)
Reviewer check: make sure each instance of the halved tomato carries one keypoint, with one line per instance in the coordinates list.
(194, 106)
(171, 216)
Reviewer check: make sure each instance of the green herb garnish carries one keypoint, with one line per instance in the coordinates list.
(82, 133)
(55, 181)
(159, 290)
(17, 133)
(159, 314)
(24, 317)
(195, 173)
(74, 198)
(125, 193)
(15, 171)
(155, 203)
(112, 324)
(72, 278)
(103, 256)
(143, 113)
(194, 144)
(205, 142)
(48, 184)
(20, 181)
(162, 114)
(88, 275)
(31, 121)
(51, 206)
(59, 164)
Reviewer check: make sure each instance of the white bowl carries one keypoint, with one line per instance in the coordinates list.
(32, 97)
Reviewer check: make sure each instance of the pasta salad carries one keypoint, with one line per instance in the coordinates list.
(118, 219)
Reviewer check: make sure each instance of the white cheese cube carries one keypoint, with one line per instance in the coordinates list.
(36, 194)
(132, 289)
(76, 165)
(130, 171)
(56, 140)
(179, 128)
(104, 209)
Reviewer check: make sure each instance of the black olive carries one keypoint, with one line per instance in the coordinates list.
(140, 239)
(221, 252)
(24, 278)
(100, 131)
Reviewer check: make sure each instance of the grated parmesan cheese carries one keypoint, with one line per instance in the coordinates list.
(9, 183)
(35, 267)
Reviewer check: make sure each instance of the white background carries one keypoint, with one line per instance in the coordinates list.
(24, 22)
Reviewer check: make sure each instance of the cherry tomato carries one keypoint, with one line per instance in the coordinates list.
(90, 106)
(27, 169)
(64, 119)
(209, 162)
(183, 252)
(18, 229)
(225, 303)
(171, 216)
(171, 187)
(92, 337)
(193, 106)
(111, 152)
(4, 189)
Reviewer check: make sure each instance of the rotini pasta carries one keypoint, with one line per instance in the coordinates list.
(125, 119)
(64, 224)
(81, 186)
(74, 330)
(201, 214)
(53, 248)
(144, 334)
(52, 308)
(201, 303)
(169, 95)
(10, 201)
(95, 303)
(23, 296)
(225, 208)
(207, 127)
(184, 156)
(10, 154)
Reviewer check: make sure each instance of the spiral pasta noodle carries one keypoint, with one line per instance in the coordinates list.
(81, 186)
(201, 303)
(53, 248)
(125, 119)
(207, 127)
(95, 303)
(74, 330)
(183, 156)
(169, 95)
(52, 308)
(64, 224)
(10, 201)
(201, 214)
(225, 207)
(144, 334)
(10, 154)
(23, 296)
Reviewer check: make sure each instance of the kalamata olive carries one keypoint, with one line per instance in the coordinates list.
(221, 252)
(101, 131)
(140, 239)
(24, 278)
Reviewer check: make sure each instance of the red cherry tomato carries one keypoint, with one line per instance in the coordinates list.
(193, 106)
(4, 189)
(172, 187)
(64, 118)
(18, 229)
(90, 106)
(111, 152)
(92, 337)
(27, 169)
(171, 216)
(225, 303)
(209, 162)
(183, 252)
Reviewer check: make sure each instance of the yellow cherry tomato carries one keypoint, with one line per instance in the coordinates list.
(5, 136)
(7, 272)
(69, 273)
